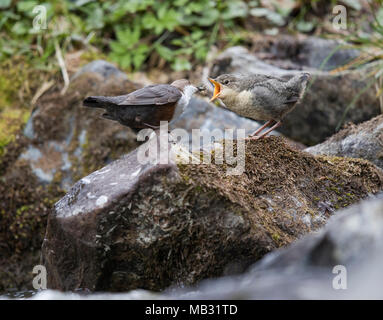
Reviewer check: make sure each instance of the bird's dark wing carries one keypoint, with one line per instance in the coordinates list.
(292, 99)
(159, 94)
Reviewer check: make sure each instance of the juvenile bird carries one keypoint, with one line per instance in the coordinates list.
(146, 107)
(260, 97)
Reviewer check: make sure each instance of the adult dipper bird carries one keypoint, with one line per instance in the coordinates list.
(146, 107)
(260, 97)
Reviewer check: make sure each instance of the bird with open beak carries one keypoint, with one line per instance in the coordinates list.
(260, 97)
(146, 107)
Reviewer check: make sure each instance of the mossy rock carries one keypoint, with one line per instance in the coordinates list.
(151, 226)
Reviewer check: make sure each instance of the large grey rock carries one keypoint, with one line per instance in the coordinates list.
(328, 95)
(352, 240)
(321, 53)
(103, 68)
(293, 52)
(131, 225)
(356, 141)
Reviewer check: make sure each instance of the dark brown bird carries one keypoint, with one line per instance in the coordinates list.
(146, 107)
(260, 97)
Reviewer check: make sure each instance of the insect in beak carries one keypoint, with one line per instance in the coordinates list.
(217, 89)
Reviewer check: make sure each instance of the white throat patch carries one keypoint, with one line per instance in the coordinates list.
(184, 101)
(189, 91)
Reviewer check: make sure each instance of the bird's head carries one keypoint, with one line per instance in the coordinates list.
(225, 86)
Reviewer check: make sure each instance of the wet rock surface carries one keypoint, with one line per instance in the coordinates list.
(329, 94)
(356, 141)
(158, 225)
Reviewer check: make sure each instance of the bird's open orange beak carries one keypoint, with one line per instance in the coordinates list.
(217, 89)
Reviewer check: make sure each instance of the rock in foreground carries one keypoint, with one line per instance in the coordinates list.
(352, 240)
(151, 226)
(356, 141)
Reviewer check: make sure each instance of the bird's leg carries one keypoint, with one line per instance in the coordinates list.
(261, 128)
(279, 123)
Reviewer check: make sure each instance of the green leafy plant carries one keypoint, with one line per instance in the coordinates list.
(128, 50)
(177, 31)
(132, 32)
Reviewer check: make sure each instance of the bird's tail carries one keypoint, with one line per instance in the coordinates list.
(97, 102)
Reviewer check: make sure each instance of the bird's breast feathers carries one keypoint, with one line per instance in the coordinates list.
(241, 103)
(245, 104)
(245, 97)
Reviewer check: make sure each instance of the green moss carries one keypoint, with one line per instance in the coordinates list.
(12, 77)
(11, 121)
(198, 189)
(18, 83)
(91, 55)
(276, 237)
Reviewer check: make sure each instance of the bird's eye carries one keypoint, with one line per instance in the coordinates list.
(226, 81)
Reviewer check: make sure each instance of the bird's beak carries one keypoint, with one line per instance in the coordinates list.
(217, 89)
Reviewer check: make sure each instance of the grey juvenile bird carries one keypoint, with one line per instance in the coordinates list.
(260, 97)
(146, 107)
